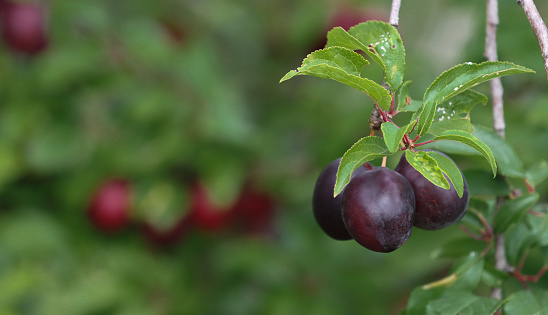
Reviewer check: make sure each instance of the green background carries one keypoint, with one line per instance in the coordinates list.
(115, 95)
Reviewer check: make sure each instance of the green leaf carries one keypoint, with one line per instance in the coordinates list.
(463, 303)
(481, 182)
(426, 114)
(513, 210)
(414, 106)
(439, 127)
(380, 41)
(451, 170)
(464, 76)
(457, 80)
(403, 97)
(468, 270)
(537, 172)
(393, 135)
(507, 160)
(519, 239)
(428, 167)
(343, 59)
(419, 299)
(453, 114)
(458, 247)
(468, 139)
(366, 149)
(493, 277)
(533, 301)
(538, 225)
(342, 65)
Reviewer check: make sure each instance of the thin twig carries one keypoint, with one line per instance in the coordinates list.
(490, 54)
(499, 125)
(538, 26)
(395, 13)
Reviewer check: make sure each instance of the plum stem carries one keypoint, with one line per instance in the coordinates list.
(423, 143)
(523, 279)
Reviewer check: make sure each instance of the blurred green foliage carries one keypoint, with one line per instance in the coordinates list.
(146, 89)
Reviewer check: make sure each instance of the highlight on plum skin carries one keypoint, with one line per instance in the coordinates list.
(378, 208)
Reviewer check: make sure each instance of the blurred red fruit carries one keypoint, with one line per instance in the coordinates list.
(111, 205)
(24, 26)
(165, 238)
(254, 213)
(203, 212)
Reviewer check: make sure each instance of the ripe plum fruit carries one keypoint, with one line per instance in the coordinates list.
(327, 209)
(436, 208)
(110, 205)
(378, 208)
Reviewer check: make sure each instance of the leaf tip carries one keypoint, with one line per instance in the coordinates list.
(288, 76)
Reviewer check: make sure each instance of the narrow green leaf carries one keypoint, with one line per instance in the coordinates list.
(343, 59)
(460, 104)
(403, 97)
(537, 172)
(533, 301)
(453, 114)
(393, 135)
(428, 167)
(426, 114)
(380, 41)
(448, 167)
(468, 139)
(507, 160)
(457, 80)
(467, 75)
(366, 149)
(342, 65)
(513, 210)
(463, 303)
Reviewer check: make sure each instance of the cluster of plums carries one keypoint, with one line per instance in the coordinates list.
(111, 209)
(379, 206)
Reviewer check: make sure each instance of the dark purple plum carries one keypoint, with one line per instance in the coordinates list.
(327, 209)
(378, 208)
(436, 208)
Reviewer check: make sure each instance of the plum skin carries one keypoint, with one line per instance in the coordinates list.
(436, 208)
(110, 206)
(378, 207)
(328, 209)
